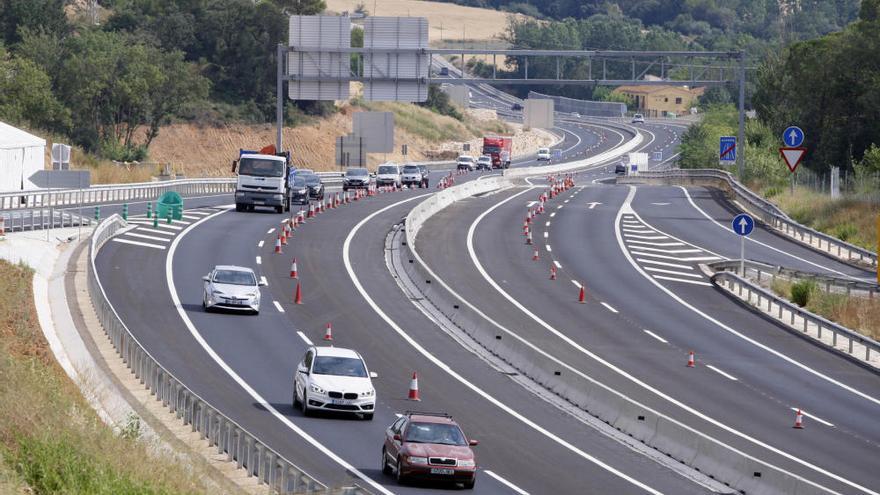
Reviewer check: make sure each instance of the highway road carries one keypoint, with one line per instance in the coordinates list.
(244, 365)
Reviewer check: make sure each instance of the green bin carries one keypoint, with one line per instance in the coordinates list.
(170, 201)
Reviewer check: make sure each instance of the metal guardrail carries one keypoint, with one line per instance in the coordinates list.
(769, 213)
(245, 449)
(745, 289)
(828, 283)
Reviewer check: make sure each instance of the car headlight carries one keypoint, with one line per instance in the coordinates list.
(466, 463)
(418, 460)
(250, 295)
(368, 393)
(216, 292)
(316, 389)
(302, 191)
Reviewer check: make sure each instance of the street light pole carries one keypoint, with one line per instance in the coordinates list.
(741, 136)
(279, 97)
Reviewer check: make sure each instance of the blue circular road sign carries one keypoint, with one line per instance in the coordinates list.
(793, 136)
(743, 224)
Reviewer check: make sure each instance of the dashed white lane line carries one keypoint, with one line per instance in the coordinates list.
(672, 272)
(506, 483)
(553, 214)
(826, 423)
(270, 230)
(560, 206)
(722, 373)
(672, 279)
(548, 248)
(652, 334)
(546, 235)
(138, 243)
(260, 244)
(278, 306)
(263, 280)
(609, 307)
(150, 237)
(566, 201)
(305, 339)
(663, 263)
(558, 265)
(259, 260)
(547, 224)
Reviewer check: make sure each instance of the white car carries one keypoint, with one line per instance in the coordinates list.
(638, 119)
(388, 175)
(231, 287)
(484, 163)
(575, 115)
(543, 154)
(466, 162)
(334, 379)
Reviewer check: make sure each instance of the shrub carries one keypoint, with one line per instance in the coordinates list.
(802, 291)
(845, 231)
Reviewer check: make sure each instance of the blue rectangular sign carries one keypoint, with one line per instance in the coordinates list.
(727, 150)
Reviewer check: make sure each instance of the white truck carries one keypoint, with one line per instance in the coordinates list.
(636, 162)
(263, 180)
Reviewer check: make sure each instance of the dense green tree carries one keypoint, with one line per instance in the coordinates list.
(26, 96)
(44, 15)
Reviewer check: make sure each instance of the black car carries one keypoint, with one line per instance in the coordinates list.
(516, 107)
(620, 169)
(444, 71)
(316, 187)
(356, 178)
(299, 191)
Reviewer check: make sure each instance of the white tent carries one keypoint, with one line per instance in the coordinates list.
(21, 154)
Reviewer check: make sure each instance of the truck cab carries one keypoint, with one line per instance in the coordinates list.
(262, 181)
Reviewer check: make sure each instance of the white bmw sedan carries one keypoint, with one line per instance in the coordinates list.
(334, 379)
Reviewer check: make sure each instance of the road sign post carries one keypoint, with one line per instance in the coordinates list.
(727, 150)
(792, 158)
(743, 225)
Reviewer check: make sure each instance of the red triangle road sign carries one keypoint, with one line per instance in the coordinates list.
(793, 156)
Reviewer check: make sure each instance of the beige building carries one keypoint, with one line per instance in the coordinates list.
(661, 101)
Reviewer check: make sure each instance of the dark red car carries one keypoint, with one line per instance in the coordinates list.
(429, 446)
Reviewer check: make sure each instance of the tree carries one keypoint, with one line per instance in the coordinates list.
(302, 7)
(41, 15)
(26, 96)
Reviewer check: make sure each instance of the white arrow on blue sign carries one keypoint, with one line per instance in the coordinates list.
(793, 136)
(743, 224)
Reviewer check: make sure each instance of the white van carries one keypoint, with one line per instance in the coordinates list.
(388, 174)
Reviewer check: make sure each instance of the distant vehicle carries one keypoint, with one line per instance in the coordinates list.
(498, 147)
(484, 162)
(620, 169)
(313, 182)
(411, 176)
(638, 119)
(425, 173)
(575, 115)
(299, 191)
(465, 162)
(388, 174)
(429, 446)
(263, 179)
(543, 154)
(334, 379)
(444, 71)
(516, 107)
(356, 178)
(231, 287)
(304, 171)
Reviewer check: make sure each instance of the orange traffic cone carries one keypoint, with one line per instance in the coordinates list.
(529, 237)
(328, 333)
(414, 387)
(582, 295)
(552, 272)
(278, 244)
(535, 255)
(691, 362)
(283, 235)
(297, 298)
(798, 420)
(293, 273)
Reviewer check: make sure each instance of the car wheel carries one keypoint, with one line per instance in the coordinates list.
(305, 404)
(386, 469)
(399, 477)
(239, 207)
(204, 301)
(296, 402)
(469, 485)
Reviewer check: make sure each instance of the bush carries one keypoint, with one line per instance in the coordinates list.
(845, 231)
(802, 291)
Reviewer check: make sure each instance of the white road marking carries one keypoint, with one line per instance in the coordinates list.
(260, 244)
(546, 235)
(638, 231)
(566, 201)
(826, 423)
(161, 224)
(270, 230)
(646, 237)
(672, 279)
(663, 263)
(278, 306)
(558, 207)
(150, 237)
(138, 243)
(609, 307)
(553, 214)
(141, 228)
(669, 251)
(548, 248)
(558, 265)
(671, 272)
(305, 339)
(262, 402)
(514, 488)
(577, 284)
(670, 244)
(190, 217)
(652, 334)
(259, 260)
(264, 281)
(346, 248)
(692, 258)
(722, 373)
(547, 224)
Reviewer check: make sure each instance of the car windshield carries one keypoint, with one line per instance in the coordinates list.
(440, 433)
(260, 167)
(299, 182)
(356, 172)
(485, 159)
(543, 150)
(311, 179)
(465, 159)
(410, 169)
(491, 149)
(339, 366)
(388, 169)
(234, 277)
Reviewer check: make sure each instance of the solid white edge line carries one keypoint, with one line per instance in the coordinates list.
(820, 420)
(346, 248)
(304, 338)
(278, 306)
(609, 307)
(627, 207)
(138, 243)
(169, 275)
(652, 334)
(722, 373)
(516, 489)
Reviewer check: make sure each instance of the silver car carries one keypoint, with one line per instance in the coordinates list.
(231, 287)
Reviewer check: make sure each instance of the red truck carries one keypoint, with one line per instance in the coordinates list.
(498, 147)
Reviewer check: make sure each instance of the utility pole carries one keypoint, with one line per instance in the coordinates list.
(741, 135)
(279, 97)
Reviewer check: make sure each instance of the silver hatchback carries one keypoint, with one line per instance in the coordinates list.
(231, 287)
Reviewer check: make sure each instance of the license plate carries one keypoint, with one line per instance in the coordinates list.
(442, 471)
(340, 402)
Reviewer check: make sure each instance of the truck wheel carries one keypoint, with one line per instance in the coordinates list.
(239, 207)
(279, 209)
